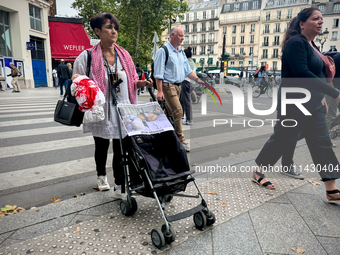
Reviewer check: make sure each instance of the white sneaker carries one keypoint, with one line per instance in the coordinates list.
(184, 121)
(189, 122)
(117, 193)
(102, 183)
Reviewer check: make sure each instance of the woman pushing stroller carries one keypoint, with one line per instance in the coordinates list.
(109, 62)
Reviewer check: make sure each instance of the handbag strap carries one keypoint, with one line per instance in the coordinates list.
(88, 66)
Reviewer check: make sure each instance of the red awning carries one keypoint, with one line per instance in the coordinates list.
(68, 40)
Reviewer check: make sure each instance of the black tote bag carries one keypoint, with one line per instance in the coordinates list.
(67, 112)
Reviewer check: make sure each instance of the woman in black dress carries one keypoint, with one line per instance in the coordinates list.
(303, 67)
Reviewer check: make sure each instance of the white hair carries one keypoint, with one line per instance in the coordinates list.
(174, 30)
(11, 63)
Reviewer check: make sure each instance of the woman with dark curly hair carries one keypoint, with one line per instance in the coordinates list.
(303, 66)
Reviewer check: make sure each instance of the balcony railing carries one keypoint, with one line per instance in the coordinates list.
(193, 42)
(202, 40)
(211, 40)
(276, 30)
(238, 20)
(275, 56)
(334, 39)
(202, 52)
(265, 44)
(264, 56)
(276, 43)
(211, 28)
(203, 29)
(265, 31)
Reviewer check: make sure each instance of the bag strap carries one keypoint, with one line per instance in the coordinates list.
(166, 50)
(88, 66)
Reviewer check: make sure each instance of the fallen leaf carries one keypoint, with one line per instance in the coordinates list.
(2, 214)
(75, 196)
(249, 150)
(8, 208)
(77, 229)
(53, 199)
(220, 158)
(57, 201)
(95, 188)
(224, 204)
(33, 208)
(212, 192)
(19, 209)
(314, 182)
(298, 250)
(231, 154)
(82, 194)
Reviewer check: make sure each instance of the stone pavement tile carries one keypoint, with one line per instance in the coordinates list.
(53, 211)
(318, 215)
(283, 230)
(102, 209)
(283, 199)
(199, 245)
(309, 188)
(82, 218)
(3, 237)
(42, 228)
(330, 244)
(236, 236)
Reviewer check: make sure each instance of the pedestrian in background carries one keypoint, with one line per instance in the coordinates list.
(55, 78)
(303, 66)
(109, 63)
(170, 76)
(185, 97)
(243, 78)
(140, 77)
(260, 74)
(69, 81)
(64, 75)
(15, 77)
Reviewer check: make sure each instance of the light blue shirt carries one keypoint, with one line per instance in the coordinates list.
(177, 67)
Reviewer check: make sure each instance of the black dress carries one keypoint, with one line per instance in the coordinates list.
(302, 67)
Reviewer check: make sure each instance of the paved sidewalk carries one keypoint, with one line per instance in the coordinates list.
(250, 219)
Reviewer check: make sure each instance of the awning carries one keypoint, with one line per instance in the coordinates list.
(68, 40)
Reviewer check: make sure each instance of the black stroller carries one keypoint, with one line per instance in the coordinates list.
(159, 172)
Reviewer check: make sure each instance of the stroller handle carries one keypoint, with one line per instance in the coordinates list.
(152, 95)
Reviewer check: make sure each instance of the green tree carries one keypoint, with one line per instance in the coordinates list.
(138, 21)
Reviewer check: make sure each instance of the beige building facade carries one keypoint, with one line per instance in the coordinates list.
(24, 23)
(240, 22)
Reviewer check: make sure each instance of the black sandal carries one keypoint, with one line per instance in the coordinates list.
(266, 184)
(333, 200)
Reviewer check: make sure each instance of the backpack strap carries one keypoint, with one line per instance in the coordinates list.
(166, 50)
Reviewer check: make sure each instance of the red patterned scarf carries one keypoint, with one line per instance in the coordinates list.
(98, 70)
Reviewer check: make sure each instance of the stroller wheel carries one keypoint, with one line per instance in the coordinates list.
(169, 237)
(125, 208)
(134, 206)
(333, 134)
(210, 218)
(157, 238)
(200, 220)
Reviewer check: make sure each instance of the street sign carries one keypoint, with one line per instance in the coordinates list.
(31, 46)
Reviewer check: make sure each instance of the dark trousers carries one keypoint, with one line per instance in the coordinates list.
(314, 130)
(185, 100)
(100, 156)
(63, 82)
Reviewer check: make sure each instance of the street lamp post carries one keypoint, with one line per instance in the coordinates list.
(222, 61)
(172, 21)
(322, 38)
(208, 58)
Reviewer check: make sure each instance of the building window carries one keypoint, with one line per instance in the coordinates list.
(337, 8)
(194, 28)
(277, 28)
(274, 65)
(203, 38)
(224, 30)
(276, 40)
(251, 50)
(234, 30)
(275, 53)
(335, 23)
(211, 37)
(194, 41)
(242, 51)
(289, 14)
(278, 15)
(267, 16)
(265, 41)
(245, 6)
(255, 5)
(5, 35)
(236, 7)
(204, 15)
(186, 28)
(321, 8)
(233, 51)
(251, 39)
(202, 50)
(266, 29)
(243, 28)
(212, 13)
(211, 49)
(203, 27)
(35, 18)
(252, 28)
(187, 17)
(186, 40)
(195, 16)
(212, 26)
(265, 54)
(240, 63)
(193, 50)
(232, 63)
(242, 39)
(334, 35)
(233, 40)
(226, 8)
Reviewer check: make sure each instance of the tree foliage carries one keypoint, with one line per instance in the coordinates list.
(138, 21)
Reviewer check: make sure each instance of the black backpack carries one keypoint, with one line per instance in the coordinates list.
(153, 65)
